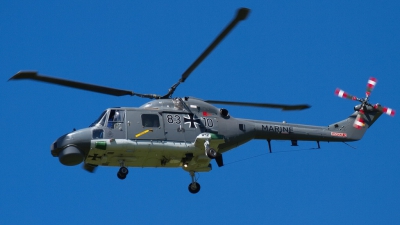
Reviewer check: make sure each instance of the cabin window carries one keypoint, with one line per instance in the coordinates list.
(116, 119)
(150, 120)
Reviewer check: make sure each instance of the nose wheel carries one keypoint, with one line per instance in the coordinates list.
(194, 187)
(123, 171)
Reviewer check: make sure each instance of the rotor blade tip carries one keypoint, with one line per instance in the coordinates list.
(242, 13)
(23, 75)
(299, 107)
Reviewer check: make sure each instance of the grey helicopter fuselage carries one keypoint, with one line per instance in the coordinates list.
(177, 133)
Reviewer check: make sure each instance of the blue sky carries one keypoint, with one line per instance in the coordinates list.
(288, 52)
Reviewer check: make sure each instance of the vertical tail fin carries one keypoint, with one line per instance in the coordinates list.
(365, 115)
(347, 125)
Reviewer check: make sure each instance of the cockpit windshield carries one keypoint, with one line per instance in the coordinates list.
(116, 118)
(100, 121)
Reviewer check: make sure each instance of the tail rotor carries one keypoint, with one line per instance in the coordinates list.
(359, 122)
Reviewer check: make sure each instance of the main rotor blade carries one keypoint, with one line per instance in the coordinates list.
(241, 15)
(32, 75)
(263, 105)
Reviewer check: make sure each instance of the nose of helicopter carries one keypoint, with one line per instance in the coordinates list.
(71, 148)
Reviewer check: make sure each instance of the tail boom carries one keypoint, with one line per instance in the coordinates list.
(342, 131)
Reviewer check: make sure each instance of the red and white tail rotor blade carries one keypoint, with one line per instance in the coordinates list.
(359, 122)
(385, 110)
(370, 85)
(342, 94)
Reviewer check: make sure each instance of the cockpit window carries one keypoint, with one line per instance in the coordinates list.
(98, 133)
(116, 118)
(100, 121)
(150, 120)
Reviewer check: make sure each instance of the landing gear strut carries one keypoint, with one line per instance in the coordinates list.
(123, 171)
(194, 187)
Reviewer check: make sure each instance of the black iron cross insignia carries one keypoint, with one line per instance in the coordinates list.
(94, 157)
(191, 120)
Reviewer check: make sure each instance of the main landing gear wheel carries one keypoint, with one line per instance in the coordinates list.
(194, 187)
(123, 171)
(211, 153)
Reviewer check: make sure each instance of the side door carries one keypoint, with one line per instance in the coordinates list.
(144, 125)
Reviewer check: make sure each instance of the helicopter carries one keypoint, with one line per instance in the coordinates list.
(188, 132)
